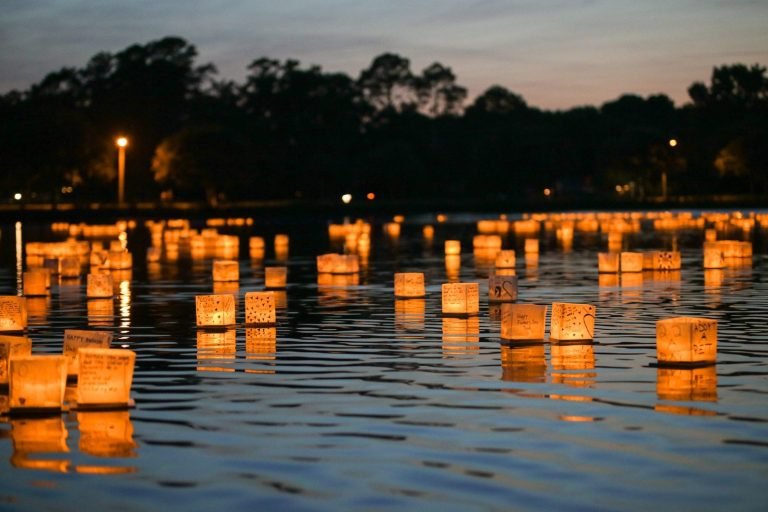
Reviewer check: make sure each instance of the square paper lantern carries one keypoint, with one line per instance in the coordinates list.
(74, 340)
(120, 260)
(686, 340)
(100, 286)
(409, 285)
(452, 247)
(661, 260)
(520, 322)
(713, 255)
(461, 298)
(12, 347)
(282, 240)
(35, 284)
(607, 262)
(505, 259)
(428, 232)
(631, 262)
(105, 377)
(275, 277)
(502, 288)
(37, 382)
(226, 270)
(13, 313)
(326, 263)
(531, 245)
(572, 321)
(69, 266)
(215, 310)
(260, 308)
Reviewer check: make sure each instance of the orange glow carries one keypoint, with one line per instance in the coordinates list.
(371, 196)
(672, 143)
(547, 192)
(121, 142)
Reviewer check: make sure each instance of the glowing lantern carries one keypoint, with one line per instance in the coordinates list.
(215, 310)
(256, 247)
(687, 384)
(452, 247)
(275, 277)
(13, 313)
(105, 377)
(686, 340)
(392, 229)
(35, 283)
(531, 245)
(710, 235)
(226, 270)
(77, 339)
(409, 285)
(631, 262)
(572, 321)
(428, 232)
(37, 382)
(461, 298)
(281, 246)
(487, 242)
(260, 308)
(614, 240)
(713, 255)
(502, 288)
(106, 434)
(338, 263)
(505, 259)
(12, 347)
(153, 254)
(607, 262)
(520, 322)
(100, 286)
(661, 260)
(120, 260)
(69, 266)
(523, 363)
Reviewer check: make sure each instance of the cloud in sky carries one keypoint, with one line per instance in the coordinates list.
(556, 53)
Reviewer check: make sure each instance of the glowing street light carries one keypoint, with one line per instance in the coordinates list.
(121, 142)
(672, 144)
(346, 198)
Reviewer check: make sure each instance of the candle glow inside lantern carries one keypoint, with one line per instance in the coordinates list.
(76, 339)
(13, 313)
(105, 377)
(12, 347)
(572, 321)
(631, 262)
(100, 286)
(260, 308)
(608, 262)
(686, 340)
(452, 247)
(409, 285)
(37, 382)
(226, 270)
(505, 259)
(502, 288)
(532, 246)
(215, 310)
(275, 277)
(35, 283)
(462, 299)
(521, 322)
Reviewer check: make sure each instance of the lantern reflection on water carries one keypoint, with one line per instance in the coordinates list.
(215, 348)
(76, 339)
(572, 321)
(36, 436)
(105, 377)
(452, 267)
(409, 314)
(686, 340)
(461, 336)
(12, 347)
(531, 245)
(452, 247)
(226, 270)
(505, 259)
(275, 277)
(106, 434)
(36, 283)
(69, 266)
(461, 298)
(261, 345)
(521, 322)
(281, 244)
(409, 285)
(215, 310)
(523, 363)
(260, 308)
(687, 384)
(569, 361)
(37, 382)
(101, 312)
(13, 313)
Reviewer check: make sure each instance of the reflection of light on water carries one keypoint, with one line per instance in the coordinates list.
(125, 307)
(19, 259)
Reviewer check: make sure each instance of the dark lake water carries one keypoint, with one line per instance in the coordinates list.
(361, 402)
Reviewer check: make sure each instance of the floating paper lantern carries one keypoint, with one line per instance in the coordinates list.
(523, 363)
(37, 382)
(256, 247)
(105, 377)
(608, 262)
(77, 339)
(661, 260)
(153, 254)
(275, 277)
(260, 308)
(502, 288)
(631, 262)
(452, 247)
(409, 285)
(505, 259)
(614, 240)
(710, 235)
(713, 255)
(106, 434)
(281, 246)
(69, 266)
(461, 298)
(226, 270)
(229, 287)
(215, 310)
(531, 245)
(13, 313)
(338, 263)
(520, 322)
(35, 283)
(392, 229)
(572, 321)
(12, 347)
(686, 340)
(487, 242)
(120, 260)
(100, 286)
(428, 232)
(687, 384)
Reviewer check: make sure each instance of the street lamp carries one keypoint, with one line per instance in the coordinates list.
(672, 144)
(121, 142)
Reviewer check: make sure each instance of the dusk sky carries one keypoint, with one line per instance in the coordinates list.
(555, 53)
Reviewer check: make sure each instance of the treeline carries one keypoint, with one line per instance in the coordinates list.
(293, 131)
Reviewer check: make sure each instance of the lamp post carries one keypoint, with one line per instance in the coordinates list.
(672, 144)
(121, 142)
